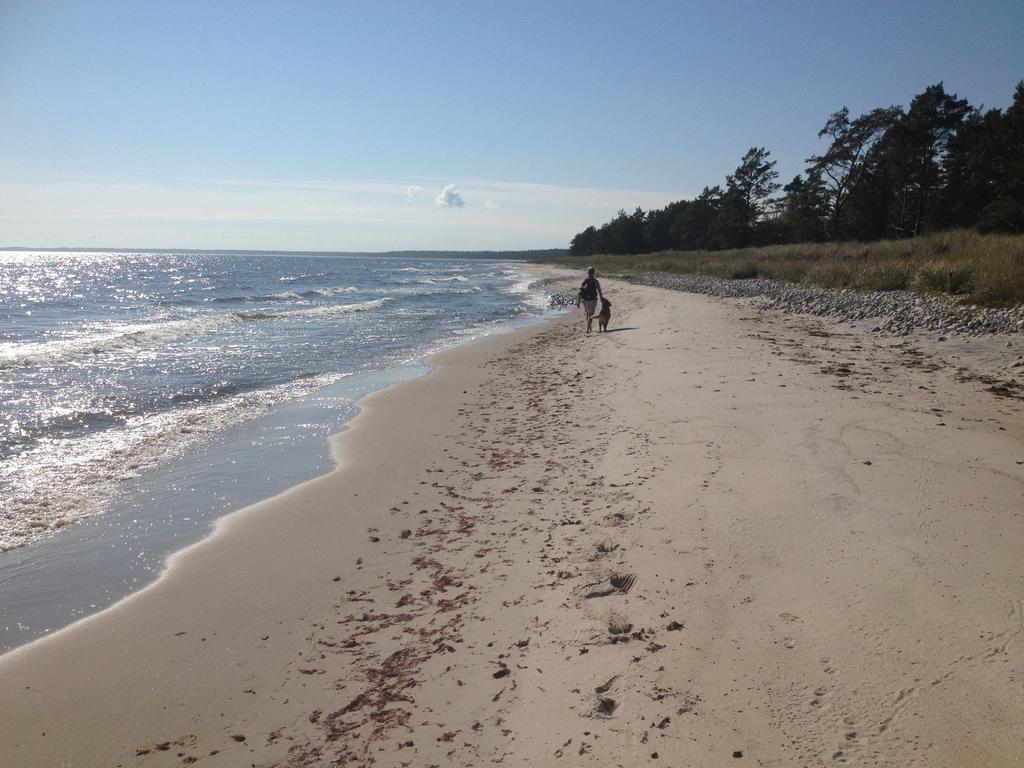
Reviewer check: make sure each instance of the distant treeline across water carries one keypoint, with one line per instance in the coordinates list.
(889, 173)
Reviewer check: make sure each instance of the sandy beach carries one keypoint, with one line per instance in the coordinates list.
(712, 537)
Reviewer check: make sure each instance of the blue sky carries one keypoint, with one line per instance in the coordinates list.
(338, 126)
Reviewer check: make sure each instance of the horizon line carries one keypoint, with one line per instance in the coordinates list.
(100, 249)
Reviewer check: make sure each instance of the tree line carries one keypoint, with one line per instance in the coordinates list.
(889, 173)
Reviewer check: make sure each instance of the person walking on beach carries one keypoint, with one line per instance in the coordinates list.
(590, 292)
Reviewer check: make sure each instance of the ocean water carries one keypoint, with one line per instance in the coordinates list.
(143, 395)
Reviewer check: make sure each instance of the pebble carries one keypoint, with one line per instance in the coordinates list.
(561, 300)
(899, 312)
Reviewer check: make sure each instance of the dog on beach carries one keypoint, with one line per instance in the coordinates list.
(604, 315)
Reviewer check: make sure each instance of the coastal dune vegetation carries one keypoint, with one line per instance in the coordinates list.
(983, 269)
(928, 198)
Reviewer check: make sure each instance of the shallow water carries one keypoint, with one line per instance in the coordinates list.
(127, 429)
(51, 583)
(112, 363)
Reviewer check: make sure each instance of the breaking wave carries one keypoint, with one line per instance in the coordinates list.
(22, 355)
(286, 295)
(80, 474)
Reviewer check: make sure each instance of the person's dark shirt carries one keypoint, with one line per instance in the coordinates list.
(589, 289)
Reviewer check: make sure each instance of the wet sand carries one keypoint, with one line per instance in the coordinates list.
(710, 537)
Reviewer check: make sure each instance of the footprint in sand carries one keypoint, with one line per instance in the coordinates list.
(606, 705)
(822, 698)
(623, 582)
(619, 582)
(607, 685)
(620, 518)
(618, 624)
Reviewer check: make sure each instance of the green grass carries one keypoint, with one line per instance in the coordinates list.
(968, 266)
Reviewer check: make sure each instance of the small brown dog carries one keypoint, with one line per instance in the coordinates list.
(604, 315)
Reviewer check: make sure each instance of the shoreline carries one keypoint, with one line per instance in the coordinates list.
(760, 550)
(79, 428)
(161, 546)
(206, 522)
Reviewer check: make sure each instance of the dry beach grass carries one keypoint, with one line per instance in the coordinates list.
(982, 269)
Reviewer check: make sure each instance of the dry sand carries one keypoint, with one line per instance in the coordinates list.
(712, 537)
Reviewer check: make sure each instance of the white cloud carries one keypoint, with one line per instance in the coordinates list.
(491, 205)
(413, 192)
(450, 197)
